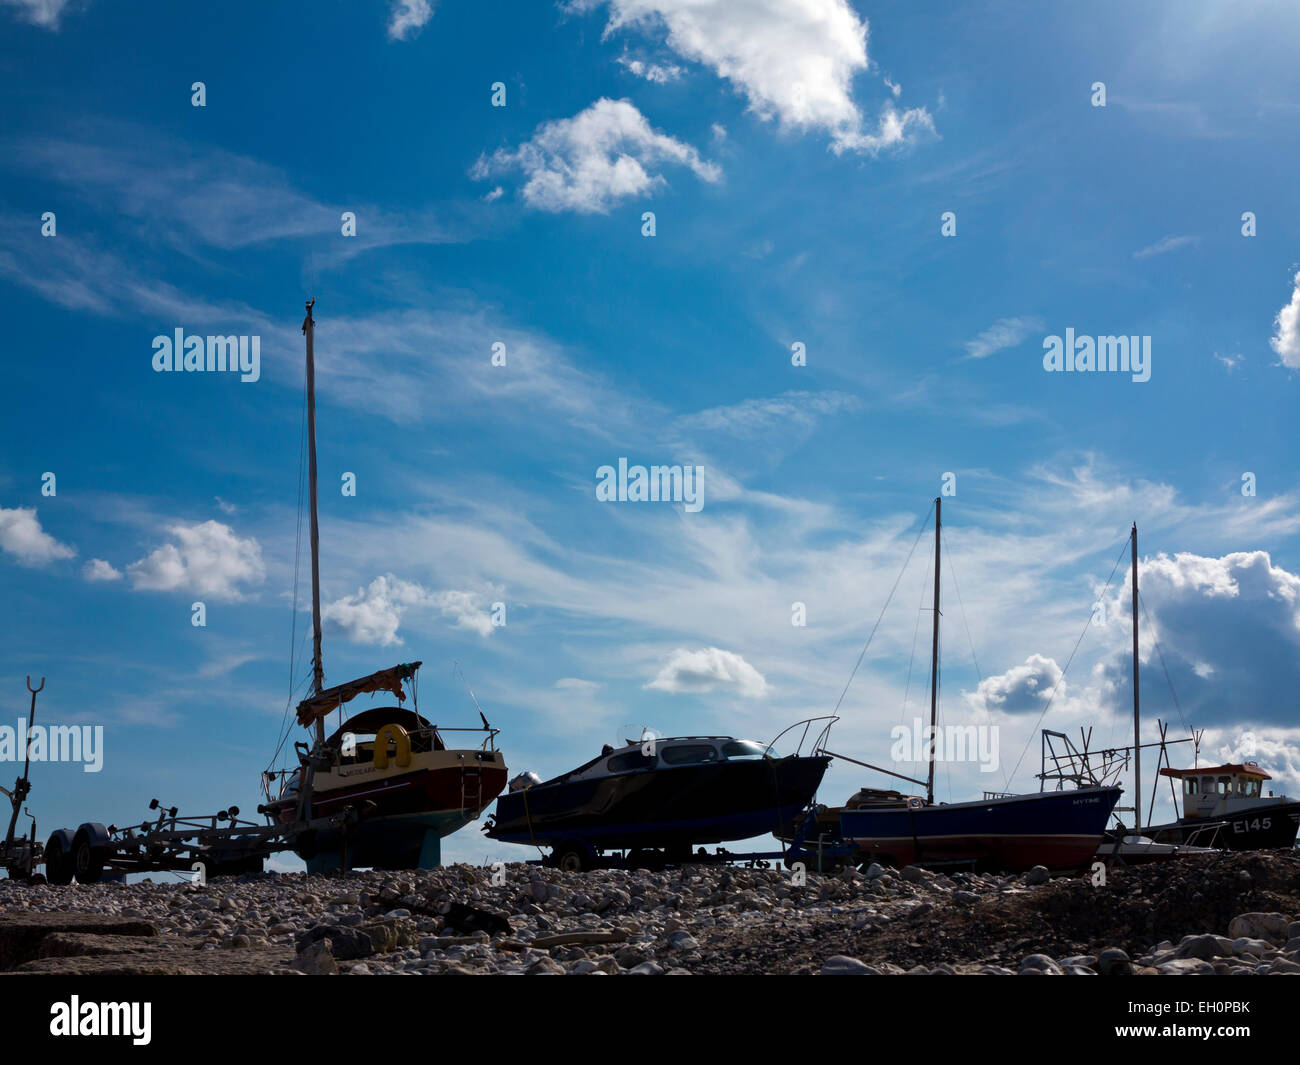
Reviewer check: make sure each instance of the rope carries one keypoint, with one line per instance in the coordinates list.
(1061, 678)
(1165, 668)
(888, 600)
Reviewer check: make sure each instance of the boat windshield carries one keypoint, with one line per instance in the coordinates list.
(743, 749)
(689, 754)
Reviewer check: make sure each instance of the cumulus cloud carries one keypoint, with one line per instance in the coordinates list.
(707, 670)
(793, 62)
(1286, 336)
(1021, 689)
(99, 570)
(1004, 333)
(1228, 630)
(207, 559)
(589, 162)
(375, 613)
(407, 18)
(21, 535)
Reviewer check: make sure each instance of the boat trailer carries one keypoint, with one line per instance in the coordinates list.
(20, 856)
(217, 844)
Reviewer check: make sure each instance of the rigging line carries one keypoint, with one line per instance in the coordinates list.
(920, 612)
(960, 606)
(285, 727)
(874, 627)
(1061, 678)
(1168, 680)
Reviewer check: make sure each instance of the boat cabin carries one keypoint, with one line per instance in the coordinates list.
(1215, 791)
(666, 753)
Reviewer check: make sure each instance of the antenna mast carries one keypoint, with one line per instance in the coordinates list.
(934, 659)
(1137, 742)
(317, 666)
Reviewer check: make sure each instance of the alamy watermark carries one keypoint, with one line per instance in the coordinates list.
(946, 743)
(54, 743)
(1071, 354)
(196, 354)
(654, 484)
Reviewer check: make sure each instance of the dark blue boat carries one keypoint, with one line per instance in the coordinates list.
(1058, 829)
(666, 794)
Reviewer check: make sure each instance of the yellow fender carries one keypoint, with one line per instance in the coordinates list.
(403, 740)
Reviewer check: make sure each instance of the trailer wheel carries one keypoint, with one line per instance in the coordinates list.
(58, 857)
(87, 858)
(572, 857)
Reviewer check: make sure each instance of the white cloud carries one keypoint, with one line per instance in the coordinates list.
(1004, 333)
(658, 73)
(794, 62)
(1165, 244)
(375, 613)
(1286, 339)
(793, 414)
(44, 13)
(206, 559)
(589, 162)
(21, 535)
(99, 570)
(707, 670)
(1021, 689)
(408, 18)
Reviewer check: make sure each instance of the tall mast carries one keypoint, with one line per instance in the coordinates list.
(934, 658)
(317, 667)
(1137, 742)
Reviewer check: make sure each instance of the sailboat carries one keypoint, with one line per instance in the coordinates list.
(393, 767)
(1060, 830)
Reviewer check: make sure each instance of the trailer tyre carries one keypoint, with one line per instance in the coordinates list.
(87, 855)
(58, 857)
(572, 856)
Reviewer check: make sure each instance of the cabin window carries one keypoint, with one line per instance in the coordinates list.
(743, 749)
(689, 754)
(1189, 786)
(1224, 785)
(626, 763)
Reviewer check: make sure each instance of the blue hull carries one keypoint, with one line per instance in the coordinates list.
(1058, 829)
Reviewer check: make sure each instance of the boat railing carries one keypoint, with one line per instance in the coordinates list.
(999, 795)
(805, 726)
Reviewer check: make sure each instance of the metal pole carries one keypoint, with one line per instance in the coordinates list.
(1137, 742)
(317, 667)
(934, 658)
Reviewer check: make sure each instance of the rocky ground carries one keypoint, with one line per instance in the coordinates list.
(1231, 913)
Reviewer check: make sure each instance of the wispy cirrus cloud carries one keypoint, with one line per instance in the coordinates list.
(407, 17)
(1002, 334)
(1166, 244)
(44, 13)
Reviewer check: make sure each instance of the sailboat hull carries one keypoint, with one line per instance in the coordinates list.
(1057, 829)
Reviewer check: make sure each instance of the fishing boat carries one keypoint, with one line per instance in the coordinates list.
(1059, 829)
(1224, 807)
(1228, 801)
(665, 795)
(390, 765)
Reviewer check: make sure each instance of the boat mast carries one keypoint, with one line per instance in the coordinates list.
(934, 659)
(317, 667)
(1137, 742)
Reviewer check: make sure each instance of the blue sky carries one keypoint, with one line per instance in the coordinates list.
(798, 162)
